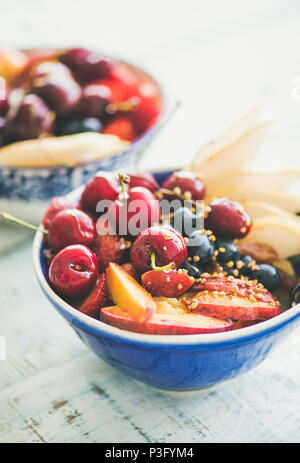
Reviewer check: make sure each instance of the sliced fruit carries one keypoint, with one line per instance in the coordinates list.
(129, 295)
(224, 306)
(238, 146)
(168, 283)
(277, 179)
(109, 248)
(261, 252)
(281, 234)
(241, 193)
(97, 299)
(164, 324)
(236, 287)
(261, 209)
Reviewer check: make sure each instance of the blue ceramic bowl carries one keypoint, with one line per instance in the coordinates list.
(24, 192)
(178, 363)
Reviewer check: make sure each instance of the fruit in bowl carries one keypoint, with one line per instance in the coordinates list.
(64, 115)
(175, 310)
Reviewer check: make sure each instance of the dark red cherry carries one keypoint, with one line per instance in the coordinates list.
(32, 119)
(87, 65)
(94, 100)
(139, 209)
(73, 271)
(54, 83)
(188, 184)
(71, 226)
(56, 205)
(228, 218)
(166, 243)
(3, 96)
(144, 179)
(104, 186)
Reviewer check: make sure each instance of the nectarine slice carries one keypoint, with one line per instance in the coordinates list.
(221, 305)
(129, 295)
(165, 323)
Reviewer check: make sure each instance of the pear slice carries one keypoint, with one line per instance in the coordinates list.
(261, 209)
(282, 233)
(277, 179)
(241, 193)
(69, 151)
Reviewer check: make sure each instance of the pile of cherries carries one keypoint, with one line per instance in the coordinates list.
(80, 246)
(73, 91)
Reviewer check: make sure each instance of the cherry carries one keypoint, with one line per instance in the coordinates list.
(144, 179)
(165, 243)
(73, 271)
(228, 218)
(32, 119)
(3, 97)
(148, 106)
(135, 210)
(2, 130)
(188, 184)
(57, 204)
(87, 65)
(71, 226)
(105, 185)
(94, 100)
(122, 127)
(54, 83)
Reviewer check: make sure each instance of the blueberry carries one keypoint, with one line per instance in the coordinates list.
(267, 275)
(192, 270)
(184, 221)
(200, 248)
(227, 250)
(246, 270)
(72, 126)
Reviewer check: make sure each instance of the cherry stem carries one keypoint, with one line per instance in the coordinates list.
(13, 219)
(169, 266)
(124, 106)
(123, 178)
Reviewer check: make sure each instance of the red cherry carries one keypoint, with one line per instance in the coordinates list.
(122, 127)
(3, 97)
(228, 218)
(148, 106)
(87, 65)
(94, 100)
(73, 271)
(144, 179)
(166, 243)
(118, 90)
(32, 119)
(57, 204)
(54, 83)
(187, 183)
(71, 226)
(104, 185)
(140, 209)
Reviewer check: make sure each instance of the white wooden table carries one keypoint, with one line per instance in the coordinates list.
(220, 58)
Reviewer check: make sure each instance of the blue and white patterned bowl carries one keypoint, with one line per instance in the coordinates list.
(24, 192)
(178, 363)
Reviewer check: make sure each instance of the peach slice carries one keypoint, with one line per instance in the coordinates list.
(165, 323)
(221, 305)
(129, 295)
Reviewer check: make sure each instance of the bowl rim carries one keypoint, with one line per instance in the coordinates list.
(229, 337)
(168, 107)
